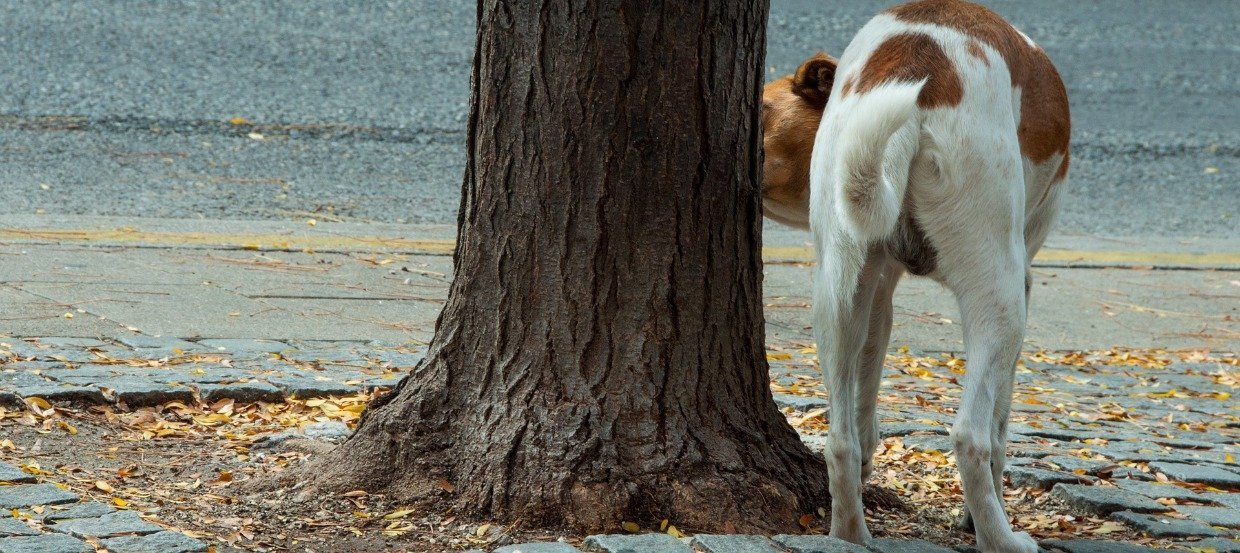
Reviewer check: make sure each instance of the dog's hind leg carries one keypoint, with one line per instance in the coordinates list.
(843, 290)
(992, 307)
(873, 354)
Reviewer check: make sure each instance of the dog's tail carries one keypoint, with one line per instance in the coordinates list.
(879, 140)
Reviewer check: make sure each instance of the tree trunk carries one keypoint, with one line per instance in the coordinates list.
(601, 354)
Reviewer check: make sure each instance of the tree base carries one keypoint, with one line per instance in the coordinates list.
(435, 463)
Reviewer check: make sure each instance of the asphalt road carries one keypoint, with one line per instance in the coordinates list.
(122, 108)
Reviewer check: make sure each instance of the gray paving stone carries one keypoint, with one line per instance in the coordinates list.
(1096, 546)
(10, 526)
(309, 387)
(159, 542)
(68, 355)
(86, 374)
(158, 342)
(1159, 491)
(1225, 499)
(817, 544)
(1042, 479)
(1161, 526)
(1066, 463)
(929, 443)
(244, 392)
(535, 547)
(14, 475)
(800, 403)
(47, 543)
(27, 495)
(106, 526)
(90, 509)
(893, 429)
(325, 356)
(397, 358)
(888, 545)
(1059, 434)
(136, 392)
(638, 543)
(734, 543)
(1214, 516)
(78, 395)
(245, 346)
(198, 374)
(1103, 500)
(1199, 474)
(1183, 443)
(1219, 545)
(70, 342)
(21, 378)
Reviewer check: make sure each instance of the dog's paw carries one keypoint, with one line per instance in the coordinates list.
(857, 534)
(1014, 542)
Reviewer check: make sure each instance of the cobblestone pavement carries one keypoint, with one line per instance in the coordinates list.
(1150, 446)
(42, 517)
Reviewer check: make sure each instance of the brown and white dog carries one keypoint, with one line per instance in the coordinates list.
(935, 145)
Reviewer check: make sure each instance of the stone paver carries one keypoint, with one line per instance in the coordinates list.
(13, 475)
(78, 395)
(27, 495)
(1219, 545)
(1043, 479)
(1162, 526)
(888, 545)
(1101, 500)
(245, 392)
(1225, 499)
(90, 509)
(1095, 546)
(159, 542)
(642, 543)
(1160, 491)
(537, 547)
(106, 526)
(136, 392)
(1214, 516)
(733, 543)
(47, 543)
(1199, 474)
(10, 526)
(817, 544)
(800, 403)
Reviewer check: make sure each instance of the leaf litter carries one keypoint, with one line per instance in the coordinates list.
(179, 464)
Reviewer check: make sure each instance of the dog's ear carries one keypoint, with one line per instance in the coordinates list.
(813, 80)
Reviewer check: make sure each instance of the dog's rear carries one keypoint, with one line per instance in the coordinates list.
(940, 153)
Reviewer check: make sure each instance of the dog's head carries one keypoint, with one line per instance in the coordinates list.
(792, 106)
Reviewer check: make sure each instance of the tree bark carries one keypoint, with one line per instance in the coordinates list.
(601, 355)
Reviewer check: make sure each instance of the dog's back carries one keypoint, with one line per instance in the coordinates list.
(940, 86)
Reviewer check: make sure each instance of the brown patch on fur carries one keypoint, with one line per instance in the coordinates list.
(912, 57)
(975, 49)
(1045, 124)
(848, 86)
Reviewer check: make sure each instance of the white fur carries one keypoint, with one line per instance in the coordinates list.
(961, 172)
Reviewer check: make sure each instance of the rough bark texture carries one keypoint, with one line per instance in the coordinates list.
(601, 355)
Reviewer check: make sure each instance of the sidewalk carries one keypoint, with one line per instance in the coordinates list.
(105, 277)
(136, 316)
